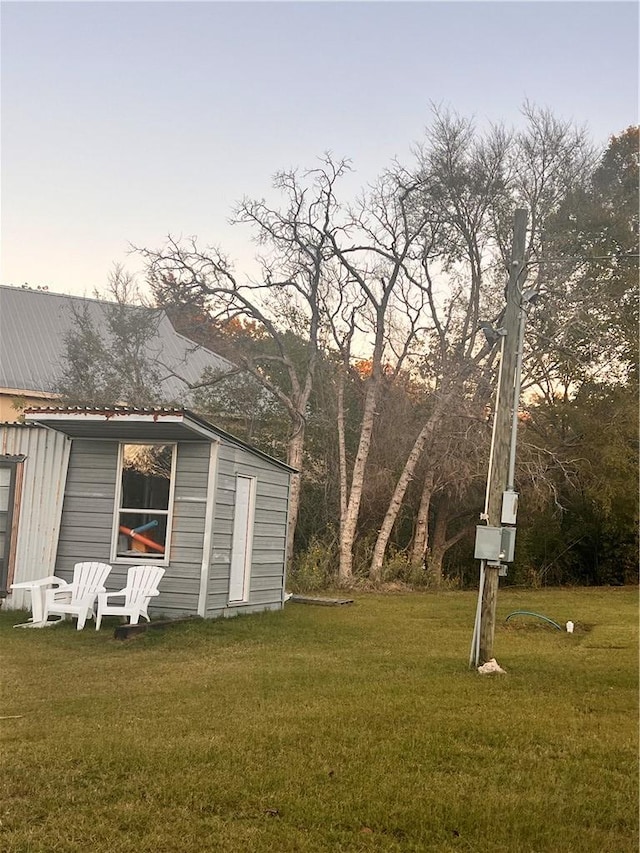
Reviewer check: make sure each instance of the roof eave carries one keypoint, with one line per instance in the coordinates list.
(66, 420)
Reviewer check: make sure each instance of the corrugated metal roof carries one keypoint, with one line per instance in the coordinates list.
(35, 323)
(125, 423)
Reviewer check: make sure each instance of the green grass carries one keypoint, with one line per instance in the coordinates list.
(357, 728)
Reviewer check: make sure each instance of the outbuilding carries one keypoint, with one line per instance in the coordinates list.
(164, 486)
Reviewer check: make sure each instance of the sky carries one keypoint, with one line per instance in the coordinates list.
(124, 122)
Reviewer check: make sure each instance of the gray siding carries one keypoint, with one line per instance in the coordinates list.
(269, 533)
(87, 514)
(87, 519)
(180, 586)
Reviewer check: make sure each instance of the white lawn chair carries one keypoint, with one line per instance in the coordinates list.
(78, 597)
(142, 586)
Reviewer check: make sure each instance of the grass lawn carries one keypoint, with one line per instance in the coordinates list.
(356, 728)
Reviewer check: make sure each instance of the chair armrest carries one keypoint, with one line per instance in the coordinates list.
(38, 582)
(62, 593)
(104, 596)
(91, 596)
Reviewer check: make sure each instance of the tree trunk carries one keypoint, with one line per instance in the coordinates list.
(295, 451)
(342, 451)
(435, 555)
(421, 535)
(349, 525)
(440, 543)
(345, 574)
(375, 569)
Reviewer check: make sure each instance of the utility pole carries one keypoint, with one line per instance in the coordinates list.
(505, 413)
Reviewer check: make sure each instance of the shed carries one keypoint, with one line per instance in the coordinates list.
(167, 487)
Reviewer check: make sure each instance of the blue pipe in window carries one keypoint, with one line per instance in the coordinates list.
(146, 526)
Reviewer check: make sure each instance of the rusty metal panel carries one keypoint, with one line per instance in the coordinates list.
(44, 473)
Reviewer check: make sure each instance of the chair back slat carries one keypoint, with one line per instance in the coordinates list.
(88, 578)
(142, 581)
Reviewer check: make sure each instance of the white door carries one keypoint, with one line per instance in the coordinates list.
(242, 539)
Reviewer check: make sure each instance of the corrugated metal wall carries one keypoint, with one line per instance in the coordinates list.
(44, 476)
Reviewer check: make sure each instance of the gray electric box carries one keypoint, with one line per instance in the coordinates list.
(495, 544)
(509, 507)
(488, 543)
(508, 544)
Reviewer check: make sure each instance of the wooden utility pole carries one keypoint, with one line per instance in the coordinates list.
(497, 476)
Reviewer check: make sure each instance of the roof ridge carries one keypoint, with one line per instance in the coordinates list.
(99, 301)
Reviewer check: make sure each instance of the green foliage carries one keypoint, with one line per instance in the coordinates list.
(109, 363)
(315, 568)
(591, 304)
(398, 568)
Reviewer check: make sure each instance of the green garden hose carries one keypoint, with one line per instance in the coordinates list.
(538, 615)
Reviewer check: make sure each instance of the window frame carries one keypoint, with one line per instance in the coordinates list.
(7, 561)
(118, 509)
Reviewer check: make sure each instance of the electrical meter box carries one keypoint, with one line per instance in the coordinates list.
(509, 507)
(488, 543)
(495, 544)
(508, 544)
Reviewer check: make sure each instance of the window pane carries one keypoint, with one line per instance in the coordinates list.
(142, 534)
(146, 475)
(5, 482)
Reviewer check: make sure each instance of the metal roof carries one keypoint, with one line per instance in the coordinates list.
(122, 423)
(35, 323)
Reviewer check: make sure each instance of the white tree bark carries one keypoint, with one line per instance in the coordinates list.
(295, 452)
(349, 526)
(375, 569)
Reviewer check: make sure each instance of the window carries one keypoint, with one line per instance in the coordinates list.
(10, 477)
(144, 500)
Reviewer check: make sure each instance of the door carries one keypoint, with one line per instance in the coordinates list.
(242, 539)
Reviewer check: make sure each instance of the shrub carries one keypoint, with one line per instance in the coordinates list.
(315, 568)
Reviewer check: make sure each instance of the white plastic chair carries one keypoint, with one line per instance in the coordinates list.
(142, 586)
(78, 597)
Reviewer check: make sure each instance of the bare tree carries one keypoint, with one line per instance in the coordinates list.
(295, 251)
(460, 179)
(382, 318)
(455, 465)
(470, 183)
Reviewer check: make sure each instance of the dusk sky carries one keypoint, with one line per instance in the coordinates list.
(124, 122)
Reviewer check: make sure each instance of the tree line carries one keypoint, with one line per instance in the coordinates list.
(367, 350)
